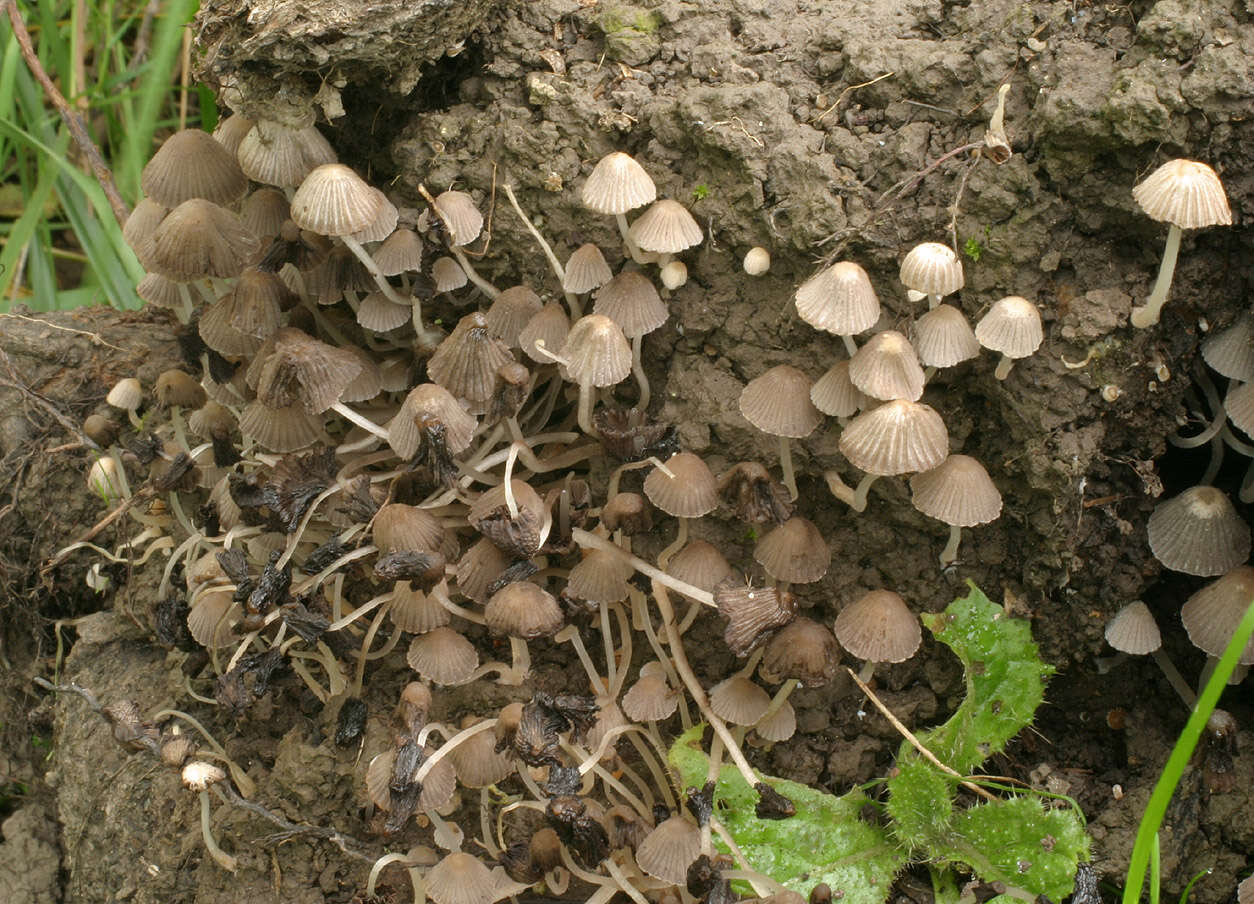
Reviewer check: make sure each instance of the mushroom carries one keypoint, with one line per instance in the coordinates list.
(586, 271)
(886, 367)
(1012, 326)
(932, 270)
(666, 228)
(190, 164)
(795, 552)
(631, 301)
(839, 300)
(757, 261)
(596, 354)
(198, 776)
(685, 488)
(443, 656)
(1211, 615)
(523, 611)
(1199, 532)
(1188, 195)
(898, 437)
(959, 493)
(778, 403)
(1132, 630)
(127, 394)
(943, 338)
(616, 185)
(879, 627)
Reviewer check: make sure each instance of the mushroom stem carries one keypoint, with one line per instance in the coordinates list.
(220, 857)
(373, 269)
(448, 746)
(587, 400)
(1174, 678)
(472, 274)
(636, 254)
(1003, 367)
(780, 698)
(785, 465)
(681, 538)
(1148, 314)
(838, 488)
(186, 308)
(949, 554)
(520, 658)
(637, 370)
(508, 483)
(360, 420)
(570, 634)
(850, 346)
(592, 541)
(860, 494)
(544, 246)
(867, 672)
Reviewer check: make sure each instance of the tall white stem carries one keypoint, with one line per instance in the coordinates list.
(1148, 315)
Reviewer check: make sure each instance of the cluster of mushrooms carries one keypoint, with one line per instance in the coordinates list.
(342, 478)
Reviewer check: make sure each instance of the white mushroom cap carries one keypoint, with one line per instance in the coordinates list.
(933, 269)
(757, 261)
(199, 775)
(1133, 630)
(1185, 193)
(1012, 326)
(617, 184)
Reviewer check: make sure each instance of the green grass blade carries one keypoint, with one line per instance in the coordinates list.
(24, 228)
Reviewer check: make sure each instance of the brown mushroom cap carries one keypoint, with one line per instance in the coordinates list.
(886, 367)
(140, 225)
(650, 699)
(264, 212)
(415, 611)
(479, 568)
(447, 274)
(795, 552)
(596, 351)
(778, 402)
(281, 429)
(897, 437)
(752, 613)
(628, 512)
(466, 362)
(190, 164)
(834, 393)
(668, 851)
(300, 369)
(199, 239)
(177, 387)
(778, 726)
(334, 200)
(933, 269)
(275, 154)
(549, 325)
(1239, 406)
(510, 312)
(1199, 532)
(943, 338)
(1185, 193)
(804, 650)
(406, 528)
(443, 656)
(739, 701)
(430, 402)
(1211, 615)
(666, 228)
(401, 252)
(601, 576)
(1012, 326)
(958, 492)
(690, 490)
(839, 300)
(879, 627)
(1133, 630)
(230, 131)
(701, 564)
(617, 184)
(379, 314)
(461, 879)
(1229, 352)
(586, 270)
(522, 609)
(631, 301)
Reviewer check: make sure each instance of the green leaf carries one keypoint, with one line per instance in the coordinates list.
(826, 841)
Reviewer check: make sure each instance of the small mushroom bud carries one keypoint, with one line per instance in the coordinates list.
(198, 776)
(100, 429)
(757, 261)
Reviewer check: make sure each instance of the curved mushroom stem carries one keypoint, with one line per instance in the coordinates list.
(1175, 679)
(785, 465)
(780, 698)
(472, 274)
(360, 420)
(637, 370)
(681, 538)
(838, 488)
(508, 483)
(570, 634)
(636, 254)
(544, 246)
(448, 746)
(949, 554)
(850, 346)
(1148, 314)
(373, 269)
(220, 857)
(860, 494)
(377, 870)
(1003, 367)
(587, 400)
(521, 660)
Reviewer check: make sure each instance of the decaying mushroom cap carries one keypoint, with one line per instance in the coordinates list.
(586, 270)
(1199, 532)
(1133, 630)
(334, 200)
(778, 402)
(879, 627)
(190, 164)
(1185, 193)
(752, 613)
(794, 552)
(617, 184)
(666, 227)
(199, 775)
(943, 338)
(1012, 326)
(804, 650)
(299, 369)
(523, 609)
(959, 492)
(689, 492)
(887, 368)
(1212, 614)
(839, 300)
(933, 269)
(898, 437)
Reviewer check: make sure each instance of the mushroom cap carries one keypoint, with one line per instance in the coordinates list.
(674, 275)
(886, 367)
(596, 351)
(897, 437)
(1012, 326)
(334, 200)
(943, 338)
(199, 775)
(264, 212)
(628, 512)
(447, 274)
(650, 699)
(804, 650)
(839, 300)
(467, 361)
(140, 225)
(879, 627)
(430, 402)
(522, 609)
(275, 154)
(958, 492)
(739, 701)
(230, 131)
(668, 851)
(127, 394)
(190, 164)
(586, 270)
(160, 291)
(211, 419)
(666, 227)
(1239, 405)
(489, 515)
(401, 252)
(701, 564)
(1212, 614)
(443, 656)
(601, 576)
(406, 528)
(550, 325)
(778, 726)
(617, 184)
(199, 239)
(177, 387)
(757, 261)
(460, 215)
(301, 369)
(477, 762)
(794, 552)
(383, 224)
(1199, 532)
(778, 402)
(283, 429)
(752, 613)
(834, 393)
(933, 269)
(461, 879)
(479, 568)
(691, 492)
(1185, 193)
(415, 611)
(1230, 352)
(511, 311)
(1133, 630)
(631, 301)
(379, 314)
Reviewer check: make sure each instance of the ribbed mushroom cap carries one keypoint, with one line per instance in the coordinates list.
(334, 200)
(401, 252)
(551, 326)
(1133, 630)
(804, 650)
(190, 164)
(264, 212)
(752, 613)
(466, 362)
(739, 701)
(700, 564)
(933, 269)
(378, 313)
(394, 373)
(276, 154)
(126, 394)
(898, 437)
(887, 368)
(383, 224)
(1229, 353)
(628, 512)
(479, 568)
(415, 611)
(160, 291)
(794, 552)
(778, 403)
(879, 627)
(943, 338)
(617, 184)
(958, 492)
(461, 879)
(778, 726)
(280, 429)
(834, 393)
(1212, 614)
(406, 528)
(199, 239)
(140, 226)
(690, 492)
(212, 616)
(302, 370)
(600, 576)
(477, 763)
(211, 419)
(1239, 406)
(460, 215)
(666, 227)
(447, 274)
(443, 656)
(650, 699)
(839, 300)
(596, 351)
(430, 403)
(230, 131)
(631, 301)
(1012, 326)
(586, 270)
(522, 609)
(668, 851)
(510, 312)
(757, 261)
(1185, 193)
(1199, 532)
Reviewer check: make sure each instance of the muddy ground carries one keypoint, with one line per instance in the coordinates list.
(799, 126)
